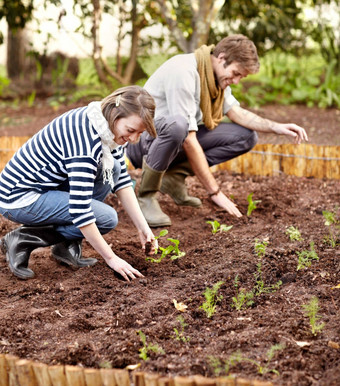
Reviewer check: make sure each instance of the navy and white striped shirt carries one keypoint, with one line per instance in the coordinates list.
(68, 148)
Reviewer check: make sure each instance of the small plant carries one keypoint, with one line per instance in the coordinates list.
(211, 299)
(169, 250)
(311, 310)
(294, 234)
(223, 366)
(259, 288)
(242, 298)
(220, 366)
(264, 369)
(333, 224)
(179, 335)
(143, 352)
(217, 227)
(252, 205)
(306, 257)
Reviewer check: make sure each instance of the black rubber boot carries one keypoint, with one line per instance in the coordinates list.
(69, 252)
(18, 245)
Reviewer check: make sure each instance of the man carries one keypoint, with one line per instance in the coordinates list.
(192, 94)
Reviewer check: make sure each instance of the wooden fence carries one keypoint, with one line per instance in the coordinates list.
(265, 159)
(23, 372)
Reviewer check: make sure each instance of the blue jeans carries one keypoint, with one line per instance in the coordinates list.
(52, 208)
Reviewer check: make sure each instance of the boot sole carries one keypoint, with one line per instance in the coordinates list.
(180, 202)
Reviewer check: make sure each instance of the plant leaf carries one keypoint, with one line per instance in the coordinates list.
(180, 306)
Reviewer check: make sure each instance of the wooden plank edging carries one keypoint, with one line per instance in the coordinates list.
(23, 372)
(306, 160)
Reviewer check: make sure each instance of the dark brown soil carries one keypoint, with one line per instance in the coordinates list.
(90, 318)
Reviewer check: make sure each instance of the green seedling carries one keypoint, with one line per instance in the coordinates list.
(179, 335)
(242, 297)
(294, 234)
(211, 299)
(143, 352)
(259, 288)
(306, 257)
(252, 205)
(311, 310)
(333, 225)
(223, 367)
(217, 227)
(172, 249)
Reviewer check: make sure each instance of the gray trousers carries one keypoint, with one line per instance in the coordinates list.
(226, 141)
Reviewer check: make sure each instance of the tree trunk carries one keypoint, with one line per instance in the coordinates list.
(16, 52)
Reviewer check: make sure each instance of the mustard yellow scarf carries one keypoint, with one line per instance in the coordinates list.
(212, 96)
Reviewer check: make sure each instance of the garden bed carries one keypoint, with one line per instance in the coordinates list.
(90, 318)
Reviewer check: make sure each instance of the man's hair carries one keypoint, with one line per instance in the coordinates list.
(240, 49)
(130, 100)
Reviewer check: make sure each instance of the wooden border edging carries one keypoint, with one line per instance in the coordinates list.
(22, 372)
(305, 160)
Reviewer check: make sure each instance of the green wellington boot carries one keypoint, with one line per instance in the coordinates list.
(173, 184)
(149, 186)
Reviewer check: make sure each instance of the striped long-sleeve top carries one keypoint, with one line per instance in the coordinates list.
(68, 148)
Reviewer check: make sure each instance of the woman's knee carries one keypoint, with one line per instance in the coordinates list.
(106, 220)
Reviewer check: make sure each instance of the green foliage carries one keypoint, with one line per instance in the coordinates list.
(143, 352)
(294, 234)
(333, 225)
(172, 249)
(252, 205)
(242, 298)
(285, 78)
(217, 227)
(311, 310)
(211, 299)
(306, 257)
(223, 366)
(179, 335)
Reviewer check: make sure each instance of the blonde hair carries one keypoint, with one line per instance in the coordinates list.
(240, 49)
(130, 100)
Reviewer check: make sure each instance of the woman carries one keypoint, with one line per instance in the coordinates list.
(56, 183)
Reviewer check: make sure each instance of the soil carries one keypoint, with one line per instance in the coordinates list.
(91, 318)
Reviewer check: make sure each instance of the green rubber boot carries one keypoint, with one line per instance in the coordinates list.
(149, 186)
(173, 184)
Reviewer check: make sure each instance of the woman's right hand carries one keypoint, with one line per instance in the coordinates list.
(123, 268)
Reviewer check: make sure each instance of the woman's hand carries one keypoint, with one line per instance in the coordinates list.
(148, 241)
(123, 268)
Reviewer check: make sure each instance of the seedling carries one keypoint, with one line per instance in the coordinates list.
(223, 366)
(211, 299)
(169, 250)
(143, 352)
(259, 287)
(242, 298)
(306, 257)
(179, 335)
(217, 227)
(311, 310)
(294, 234)
(252, 205)
(220, 366)
(332, 223)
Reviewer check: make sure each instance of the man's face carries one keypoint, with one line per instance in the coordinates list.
(231, 74)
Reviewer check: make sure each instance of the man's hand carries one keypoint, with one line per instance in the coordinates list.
(222, 201)
(292, 130)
